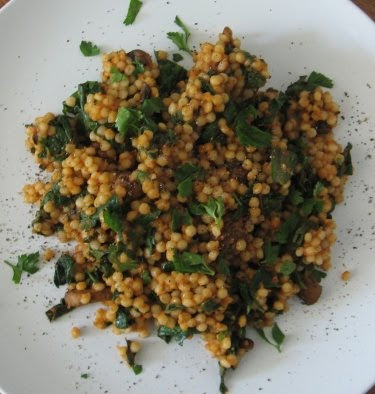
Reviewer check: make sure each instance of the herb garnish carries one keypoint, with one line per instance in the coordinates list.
(117, 75)
(180, 39)
(185, 175)
(25, 263)
(63, 270)
(167, 334)
(89, 49)
(134, 7)
(277, 336)
(187, 262)
(214, 208)
(314, 80)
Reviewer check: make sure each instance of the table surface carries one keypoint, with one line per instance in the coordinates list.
(368, 6)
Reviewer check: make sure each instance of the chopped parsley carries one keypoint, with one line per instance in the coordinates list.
(134, 7)
(180, 39)
(252, 136)
(188, 263)
(253, 79)
(117, 75)
(287, 268)
(89, 49)
(210, 305)
(139, 67)
(146, 278)
(25, 263)
(63, 270)
(222, 388)
(180, 216)
(130, 358)
(55, 145)
(271, 253)
(288, 228)
(170, 74)
(185, 175)
(123, 318)
(167, 334)
(177, 57)
(277, 336)
(309, 83)
(214, 208)
(128, 121)
(113, 220)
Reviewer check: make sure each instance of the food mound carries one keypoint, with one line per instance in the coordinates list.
(196, 200)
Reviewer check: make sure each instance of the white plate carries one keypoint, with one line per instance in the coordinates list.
(330, 346)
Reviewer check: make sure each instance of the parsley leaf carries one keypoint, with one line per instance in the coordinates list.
(117, 75)
(318, 188)
(295, 197)
(63, 270)
(113, 220)
(84, 124)
(114, 252)
(167, 334)
(223, 267)
(55, 196)
(283, 164)
(187, 262)
(139, 67)
(123, 318)
(128, 120)
(287, 267)
(252, 136)
(142, 176)
(89, 222)
(134, 7)
(211, 133)
(177, 57)
(277, 336)
(210, 305)
(25, 262)
(288, 228)
(146, 277)
(249, 135)
(213, 208)
(314, 204)
(55, 144)
(130, 356)
(180, 39)
(152, 106)
(89, 49)
(180, 216)
(170, 74)
(271, 253)
(314, 80)
(174, 307)
(185, 175)
(131, 121)
(253, 79)
(222, 388)
(146, 220)
(230, 111)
